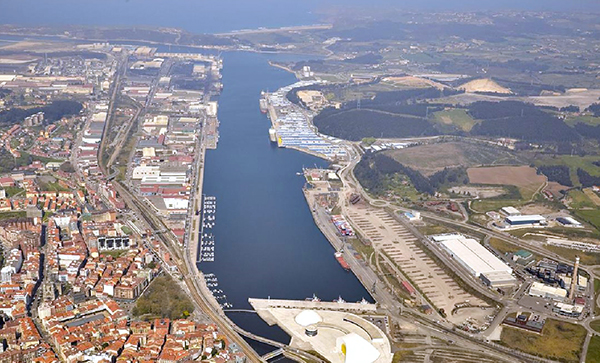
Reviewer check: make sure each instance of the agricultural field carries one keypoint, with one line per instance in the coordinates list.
(523, 177)
(431, 158)
(558, 340)
(457, 117)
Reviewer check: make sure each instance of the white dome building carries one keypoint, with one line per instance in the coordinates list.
(356, 349)
(307, 318)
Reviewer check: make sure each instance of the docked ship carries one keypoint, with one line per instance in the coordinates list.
(340, 259)
(272, 135)
(263, 103)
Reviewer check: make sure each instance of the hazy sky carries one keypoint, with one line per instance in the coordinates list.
(223, 15)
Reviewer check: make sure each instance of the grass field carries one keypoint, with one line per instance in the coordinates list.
(430, 229)
(487, 205)
(595, 325)
(580, 200)
(587, 258)
(523, 177)
(591, 216)
(11, 215)
(559, 340)
(593, 353)
(573, 162)
(11, 191)
(585, 119)
(457, 117)
(592, 196)
(503, 246)
(431, 158)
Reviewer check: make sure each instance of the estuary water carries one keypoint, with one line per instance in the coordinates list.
(267, 244)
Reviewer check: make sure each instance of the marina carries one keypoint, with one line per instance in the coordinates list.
(213, 283)
(207, 238)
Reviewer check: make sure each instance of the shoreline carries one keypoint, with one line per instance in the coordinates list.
(338, 245)
(273, 64)
(219, 48)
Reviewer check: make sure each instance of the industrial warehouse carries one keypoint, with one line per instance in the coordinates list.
(477, 260)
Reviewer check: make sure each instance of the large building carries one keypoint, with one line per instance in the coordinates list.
(525, 220)
(510, 211)
(474, 257)
(548, 292)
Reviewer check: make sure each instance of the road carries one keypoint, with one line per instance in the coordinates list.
(508, 304)
(190, 274)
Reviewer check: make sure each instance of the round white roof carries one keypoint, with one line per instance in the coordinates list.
(308, 317)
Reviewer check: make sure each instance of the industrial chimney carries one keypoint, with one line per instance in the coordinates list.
(574, 278)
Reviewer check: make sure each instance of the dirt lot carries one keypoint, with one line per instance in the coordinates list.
(523, 177)
(484, 85)
(389, 236)
(536, 209)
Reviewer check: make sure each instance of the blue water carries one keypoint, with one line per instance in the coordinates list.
(267, 243)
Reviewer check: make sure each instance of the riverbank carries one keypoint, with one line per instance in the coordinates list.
(358, 268)
(287, 69)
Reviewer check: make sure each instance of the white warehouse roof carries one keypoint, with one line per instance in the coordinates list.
(446, 237)
(511, 211)
(534, 218)
(474, 257)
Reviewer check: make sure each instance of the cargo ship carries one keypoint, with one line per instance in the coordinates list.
(263, 105)
(340, 259)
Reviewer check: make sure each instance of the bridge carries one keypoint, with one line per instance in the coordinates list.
(273, 354)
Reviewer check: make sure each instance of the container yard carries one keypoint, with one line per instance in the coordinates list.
(342, 225)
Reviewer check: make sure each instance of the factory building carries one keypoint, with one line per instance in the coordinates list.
(538, 289)
(498, 279)
(569, 222)
(525, 220)
(522, 257)
(478, 261)
(510, 211)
